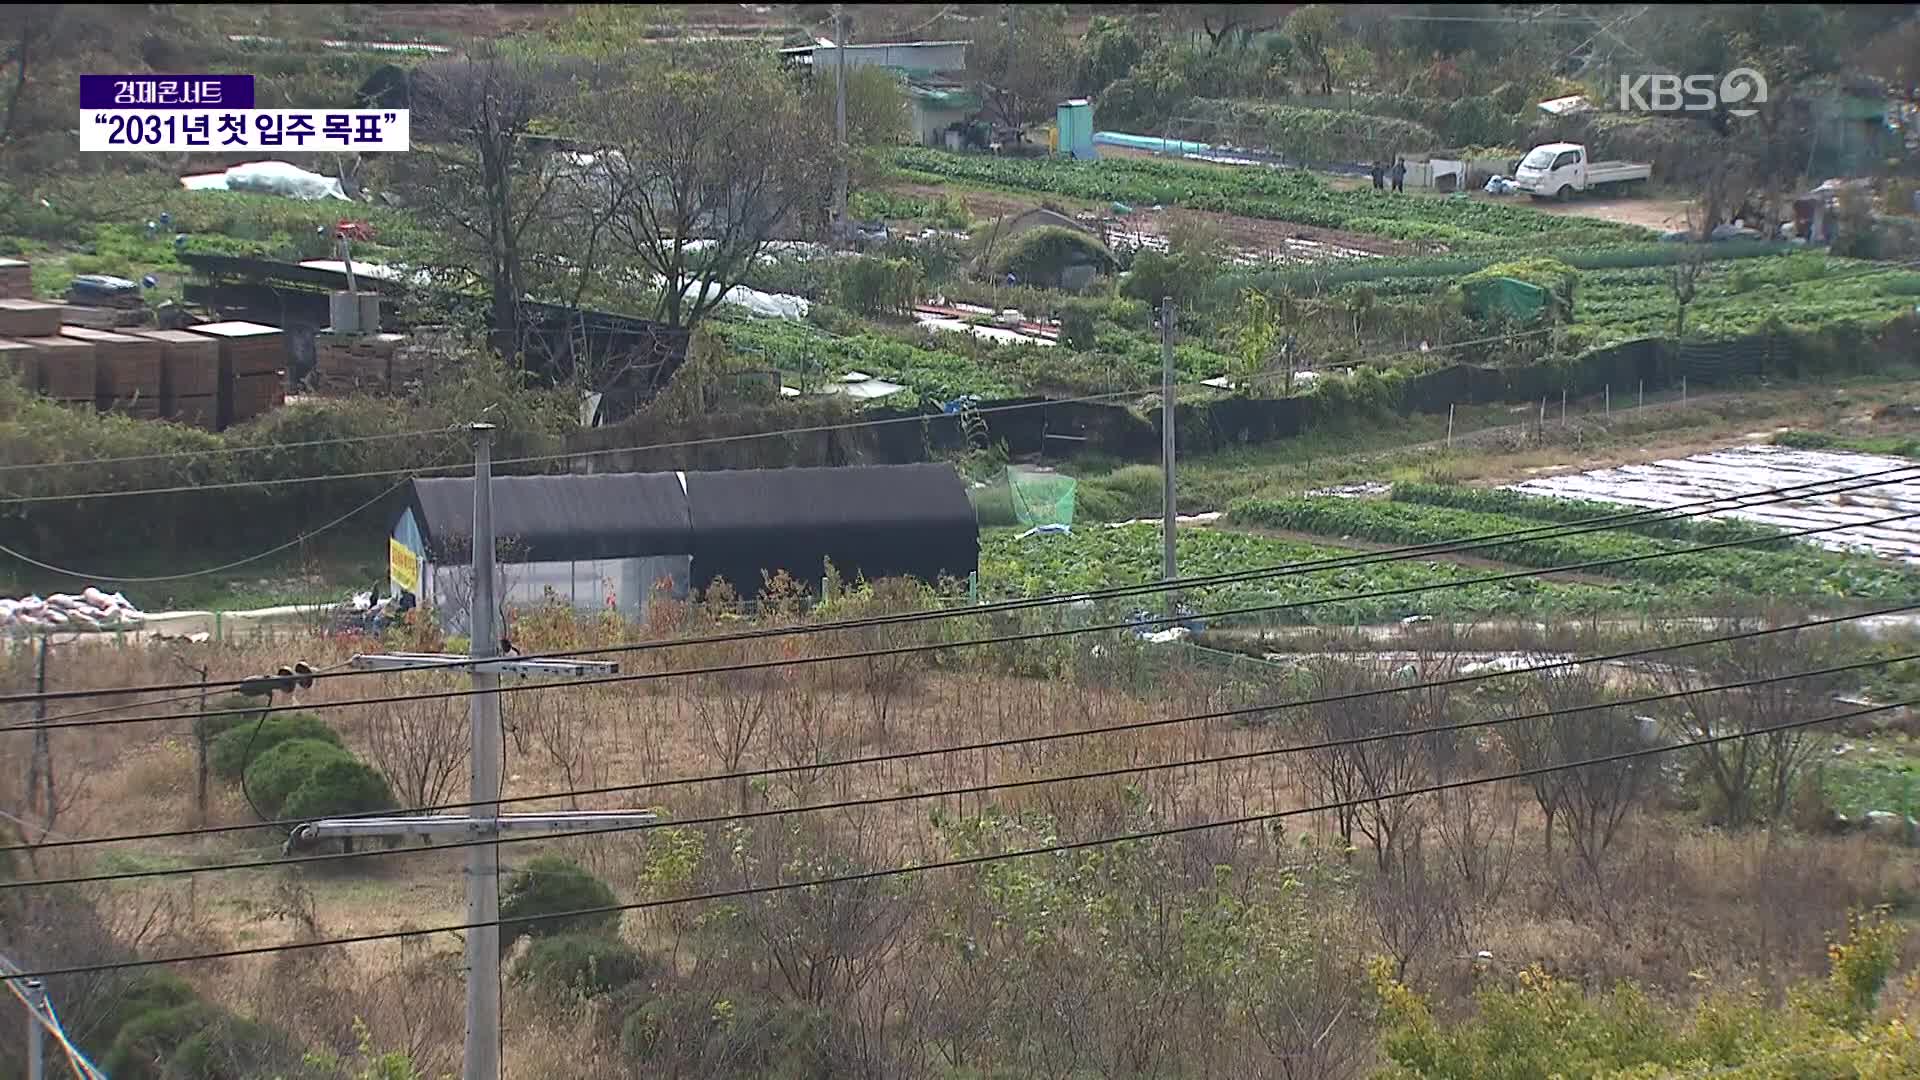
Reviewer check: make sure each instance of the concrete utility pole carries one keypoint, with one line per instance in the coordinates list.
(840, 230)
(40, 760)
(1167, 565)
(36, 1035)
(484, 822)
(483, 860)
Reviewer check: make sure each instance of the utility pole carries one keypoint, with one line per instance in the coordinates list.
(36, 1035)
(40, 760)
(200, 740)
(1167, 563)
(840, 230)
(484, 823)
(483, 860)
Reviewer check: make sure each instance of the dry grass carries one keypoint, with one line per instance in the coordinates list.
(1677, 908)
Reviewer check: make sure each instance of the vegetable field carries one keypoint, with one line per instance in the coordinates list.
(1096, 557)
(1778, 568)
(1273, 194)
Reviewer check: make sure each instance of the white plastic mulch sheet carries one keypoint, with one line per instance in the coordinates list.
(1748, 469)
(269, 177)
(91, 610)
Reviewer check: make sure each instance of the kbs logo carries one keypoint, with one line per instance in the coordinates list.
(1737, 91)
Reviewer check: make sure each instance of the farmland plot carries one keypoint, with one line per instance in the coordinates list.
(1745, 469)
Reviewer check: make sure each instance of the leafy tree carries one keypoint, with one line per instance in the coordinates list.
(708, 157)
(1314, 31)
(1255, 335)
(1023, 62)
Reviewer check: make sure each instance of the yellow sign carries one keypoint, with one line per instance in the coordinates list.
(403, 566)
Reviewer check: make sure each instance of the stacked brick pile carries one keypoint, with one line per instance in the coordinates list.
(22, 318)
(126, 371)
(348, 363)
(16, 280)
(189, 377)
(253, 378)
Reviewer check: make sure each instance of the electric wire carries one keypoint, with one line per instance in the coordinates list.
(927, 647)
(971, 789)
(1006, 742)
(1551, 530)
(972, 860)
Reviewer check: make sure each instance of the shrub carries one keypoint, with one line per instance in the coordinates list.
(340, 786)
(274, 776)
(875, 286)
(225, 715)
(1041, 254)
(150, 1039)
(589, 963)
(1077, 321)
(143, 993)
(231, 752)
(231, 1048)
(551, 885)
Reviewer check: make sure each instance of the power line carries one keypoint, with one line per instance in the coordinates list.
(1878, 268)
(972, 789)
(997, 744)
(867, 654)
(681, 444)
(1548, 530)
(269, 553)
(973, 860)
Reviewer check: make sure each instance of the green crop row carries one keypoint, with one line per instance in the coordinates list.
(1121, 359)
(1779, 569)
(1317, 134)
(1096, 557)
(1701, 530)
(1281, 195)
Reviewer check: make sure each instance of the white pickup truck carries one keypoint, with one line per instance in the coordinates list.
(1557, 170)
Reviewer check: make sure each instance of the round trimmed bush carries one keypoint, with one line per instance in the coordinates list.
(275, 775)
(340, 786)
(232, 1048)
(226, 714)
(142, 993)
(589, 963)
(552, 884)
(231, 752)
(151, 1038)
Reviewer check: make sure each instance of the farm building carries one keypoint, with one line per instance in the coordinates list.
(607, 541)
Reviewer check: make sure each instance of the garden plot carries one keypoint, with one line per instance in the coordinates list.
(1747, 469)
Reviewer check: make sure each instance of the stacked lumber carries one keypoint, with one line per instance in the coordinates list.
(413, 362)
(189, 377)
(252, 369)
(18, 362)
(21, 318)
(346, 363)
(126, 371)
(16, 280)
(104, 318)
(66, 369)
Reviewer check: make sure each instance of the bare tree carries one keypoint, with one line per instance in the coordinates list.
(1414, 905)
(491, 183)
(419, 746)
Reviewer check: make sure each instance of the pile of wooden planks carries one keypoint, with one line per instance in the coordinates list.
(66, 370)
(253, 379)
(20, 363)
(346, 363)
(189, 377)
(16, 280)
(21, 318)
(126, 371)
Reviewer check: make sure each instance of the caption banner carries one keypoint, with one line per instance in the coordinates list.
(216, 112)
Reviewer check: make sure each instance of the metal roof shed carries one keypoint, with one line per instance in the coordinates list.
(874, 521)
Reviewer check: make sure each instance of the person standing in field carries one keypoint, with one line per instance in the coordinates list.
(1399, 173)
(1379, 174)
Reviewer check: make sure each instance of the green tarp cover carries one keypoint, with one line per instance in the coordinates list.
(1510, 295)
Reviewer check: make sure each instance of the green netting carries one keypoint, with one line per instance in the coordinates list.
(1518, 299)
(1041, 498)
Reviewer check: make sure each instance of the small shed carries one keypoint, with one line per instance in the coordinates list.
(608, 541)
